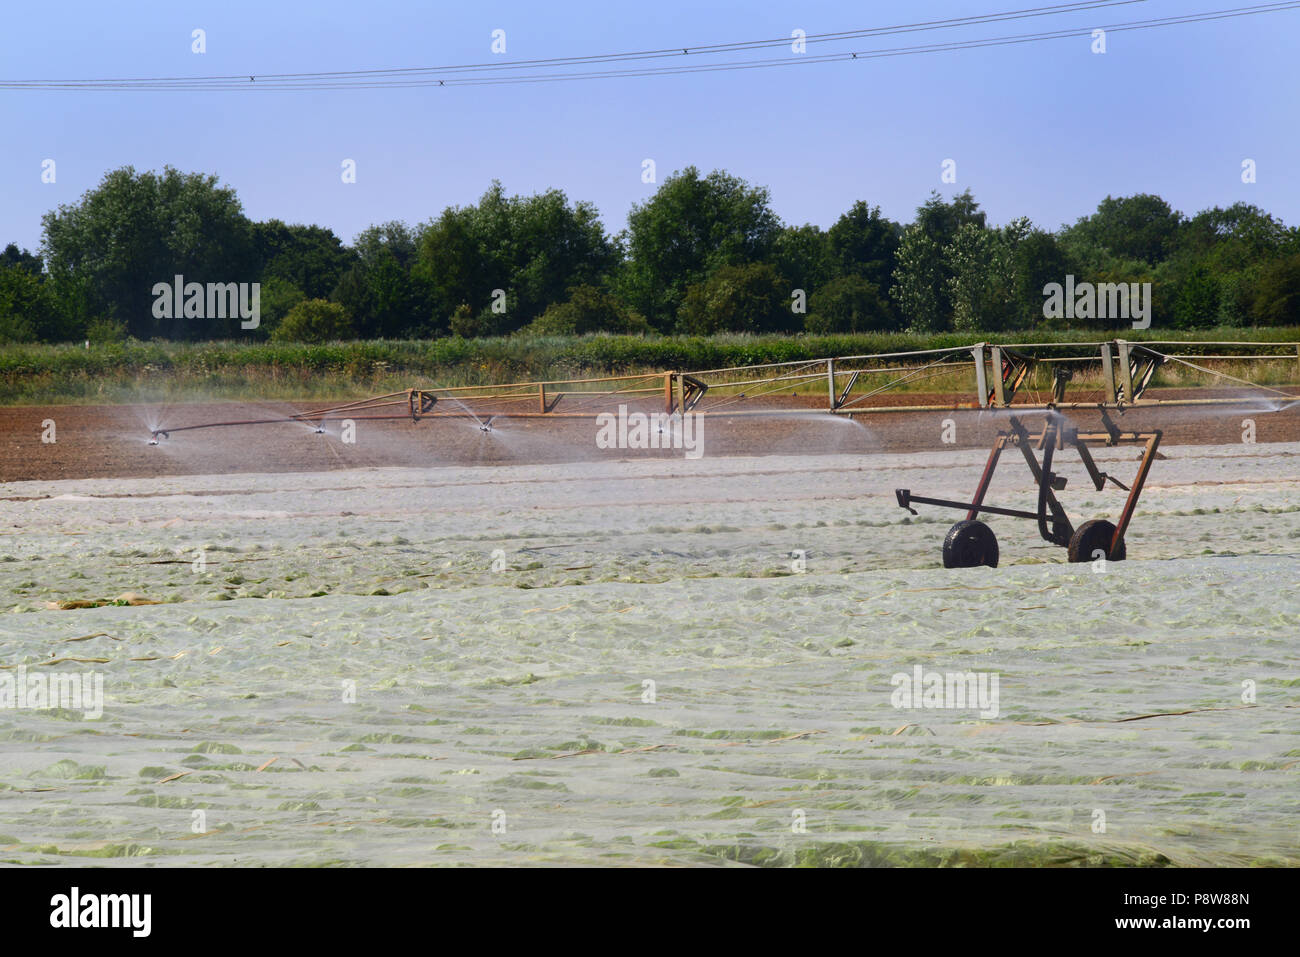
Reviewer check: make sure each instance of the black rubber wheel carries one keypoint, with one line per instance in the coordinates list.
(970, 544)
(1093, 537)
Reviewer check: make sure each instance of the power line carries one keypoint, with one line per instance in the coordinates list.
(500, 73)
(837, 57)
(676, 51)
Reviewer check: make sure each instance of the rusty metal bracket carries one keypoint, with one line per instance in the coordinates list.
(1138, 366)
(420, 403)
(693, 391)
(1010, 371)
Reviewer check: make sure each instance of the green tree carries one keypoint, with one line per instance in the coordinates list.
(801, 254)
(531, 248)
(919, 282)
(940, 220)
(138, 229)
(746, 298)
(554, 246)
(1141, 227)
(467, 324)
(1197, 300)
(1220, 258)
(1037, 260)
(692, 226)
(981, 282)
(29, 306)
(849, 304)
(923, 276)
(384, 291)
(315, 320)
(278, 297)
(14, 258)
(1237, 296)
(28, 309)
(311, 258)
(1277, 298)
(864, 243)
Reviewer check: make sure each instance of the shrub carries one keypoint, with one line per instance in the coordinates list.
(314, 320)
(278, 297)
(106, 330)
(587, 310)
(466, 324)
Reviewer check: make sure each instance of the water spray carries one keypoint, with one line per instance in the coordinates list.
(415, 402)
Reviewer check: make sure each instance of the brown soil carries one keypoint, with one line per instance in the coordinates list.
(112, 440)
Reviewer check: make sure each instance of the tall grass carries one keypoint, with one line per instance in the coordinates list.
(148, 371)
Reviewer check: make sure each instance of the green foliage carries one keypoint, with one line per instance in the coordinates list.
(802, 256)
(920, 282)
(105, 330)
(14, 258)
(28, 308)
(1237, 296)
(940, 220)
(1037, 259)
(1278, 298)
(278, 296)
(1141, 227)
(749, 298)
(533, 248)
(136, 230)
(314, 320)
(849, 304)
(925, 280)
(383, 291)
(468, 324)
(309, 258)
(982, 280)
(1197, 302)
(690, 228)
(704, 254)
(587, 310)
(864, 243)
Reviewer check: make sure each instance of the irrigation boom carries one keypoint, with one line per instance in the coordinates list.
(1001, 380)
(1001, 374)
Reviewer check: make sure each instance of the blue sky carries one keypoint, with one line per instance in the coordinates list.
(1044, 130)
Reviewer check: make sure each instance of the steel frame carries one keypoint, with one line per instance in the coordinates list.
(1000, 373)
(1054, 524)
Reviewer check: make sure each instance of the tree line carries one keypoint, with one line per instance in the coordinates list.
(704, 254)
